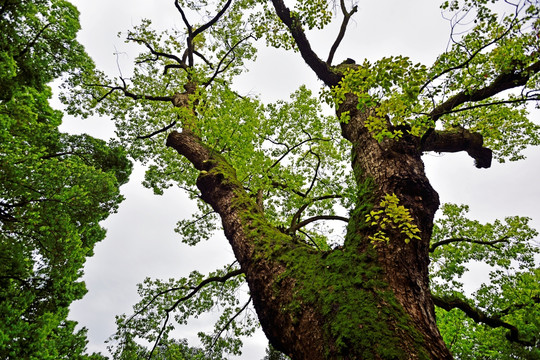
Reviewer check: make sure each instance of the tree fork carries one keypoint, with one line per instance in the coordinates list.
(302, 296)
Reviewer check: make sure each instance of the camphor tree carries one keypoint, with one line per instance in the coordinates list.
(274, 176)
(55, 188)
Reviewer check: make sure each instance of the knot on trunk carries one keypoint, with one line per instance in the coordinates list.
(182, 99)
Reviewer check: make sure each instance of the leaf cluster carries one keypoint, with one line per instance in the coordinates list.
(391, 86)
(510, 293)
(392, 216)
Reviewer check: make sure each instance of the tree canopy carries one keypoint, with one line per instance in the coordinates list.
(55, 188)
(279, 175)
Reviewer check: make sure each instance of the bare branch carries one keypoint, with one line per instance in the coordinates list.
(321, 68)
(296, 216)
(470, 58)
(184, 18)
(206, 61)
(448, 303)
(158, 131)
(155, 52)
(213, 21)
(346, 17)
(317, 218)
(128, 93)
(455, 240)
(218, 335)
(203, 216)
(310, 239)
(316, 173)
(177, 302)
(289, 149)
(219, 70)
(190, 50)
(279, 185)
(174, 66)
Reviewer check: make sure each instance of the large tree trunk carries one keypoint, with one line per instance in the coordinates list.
(358, 301)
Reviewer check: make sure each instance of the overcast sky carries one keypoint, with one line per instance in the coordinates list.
(140, 240)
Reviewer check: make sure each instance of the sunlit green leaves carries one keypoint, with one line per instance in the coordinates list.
(511, 292)
(392, 86)
(392, 217)
(488, 43)
(513, 298)
(469, 341)
(457, 241)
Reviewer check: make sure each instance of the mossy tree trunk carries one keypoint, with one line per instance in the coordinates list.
(354, 302)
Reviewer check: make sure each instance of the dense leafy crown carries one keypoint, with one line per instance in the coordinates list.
(55, 188)
(293, 162)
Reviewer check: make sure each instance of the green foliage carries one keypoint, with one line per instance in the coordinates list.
(37, 43)
(392, 216)
(511, 293)
(393, 84)
(160, 300)
(54, 188)
(488, 42)
(502, 245)
(308, 14)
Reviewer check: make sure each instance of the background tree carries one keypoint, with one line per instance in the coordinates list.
(54, 188)
(275, 172)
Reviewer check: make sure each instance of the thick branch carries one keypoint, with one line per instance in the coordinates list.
(192, 34)
(321, 69)
(213, 20)
(500, 83)
(449, 303)
(458, 139)
(184, 18)
(454, 240)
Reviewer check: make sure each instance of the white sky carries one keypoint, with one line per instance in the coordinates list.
(140, 240)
